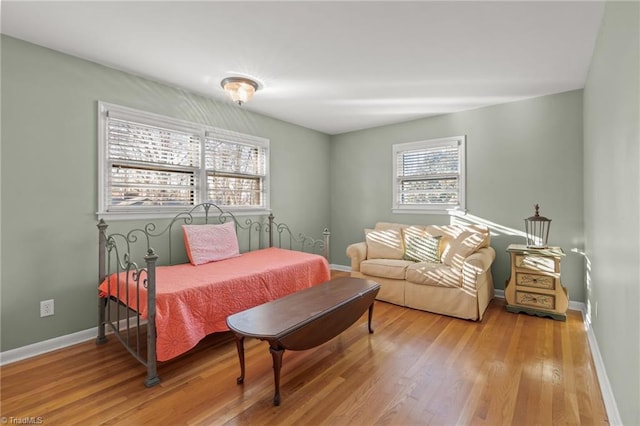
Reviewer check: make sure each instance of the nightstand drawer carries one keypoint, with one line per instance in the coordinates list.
(535, 300)
(538, 263)
(537, 281)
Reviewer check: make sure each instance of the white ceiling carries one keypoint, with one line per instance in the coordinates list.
(331, 66)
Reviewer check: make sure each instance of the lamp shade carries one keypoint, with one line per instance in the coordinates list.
(239, 89)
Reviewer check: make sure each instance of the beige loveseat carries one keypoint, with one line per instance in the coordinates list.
(441, 269)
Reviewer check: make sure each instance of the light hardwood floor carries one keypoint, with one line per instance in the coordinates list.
(417, 368)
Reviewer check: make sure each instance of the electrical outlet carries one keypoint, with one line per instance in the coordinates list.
(46, 308)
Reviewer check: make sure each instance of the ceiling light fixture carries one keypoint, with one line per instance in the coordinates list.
(239, 89)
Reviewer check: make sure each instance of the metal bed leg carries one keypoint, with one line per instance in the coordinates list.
(102, 302)
(152, 375)
(102, 306)
(152, 364)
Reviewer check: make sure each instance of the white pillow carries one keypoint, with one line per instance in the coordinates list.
(384, 243)
(210, 243)
(462, 246)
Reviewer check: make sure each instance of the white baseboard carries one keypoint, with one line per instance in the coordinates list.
(39, 348)
(13, 355)
(340, 267)
(609, 399)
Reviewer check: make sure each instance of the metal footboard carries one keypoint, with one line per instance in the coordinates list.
(126, 323)
(116, 260)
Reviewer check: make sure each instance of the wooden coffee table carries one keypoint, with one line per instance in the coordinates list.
(304, 319)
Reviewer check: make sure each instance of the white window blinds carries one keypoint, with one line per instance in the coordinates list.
(151, 166)
(429, 175)
(236, 171)
(150, 163)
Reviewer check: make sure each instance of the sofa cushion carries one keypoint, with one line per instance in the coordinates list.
(466, 243)
(384, 244)
(434, 274)
(385, 268)
(419, 246)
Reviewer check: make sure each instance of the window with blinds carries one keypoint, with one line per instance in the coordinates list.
(152, 164)
(236, 171)
(429, 175)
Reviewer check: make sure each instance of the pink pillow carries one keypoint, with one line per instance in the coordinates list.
(209, 243)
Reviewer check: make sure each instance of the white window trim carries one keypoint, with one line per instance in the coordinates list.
(426, 208)
(153, 119)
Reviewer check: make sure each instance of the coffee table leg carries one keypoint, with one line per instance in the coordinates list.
(370, 317)
(240, 346)
(276, 353)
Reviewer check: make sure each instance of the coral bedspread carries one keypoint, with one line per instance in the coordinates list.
(194, 301)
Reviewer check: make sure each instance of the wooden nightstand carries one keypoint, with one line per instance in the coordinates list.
(534, 286)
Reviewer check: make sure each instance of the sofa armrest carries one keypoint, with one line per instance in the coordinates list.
(481, 260)
(476, 265)
(357, 252)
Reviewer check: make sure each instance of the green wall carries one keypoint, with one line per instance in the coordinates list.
(612, 201)
(518, 154)
(49, 179)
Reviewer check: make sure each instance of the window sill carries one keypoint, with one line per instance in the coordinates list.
(440, 211)
(146, 215)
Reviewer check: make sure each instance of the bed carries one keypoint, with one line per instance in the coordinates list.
(206, 265)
